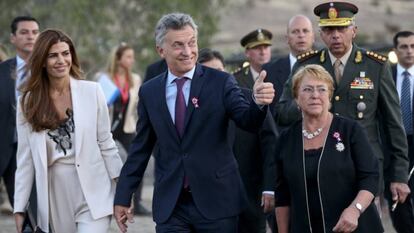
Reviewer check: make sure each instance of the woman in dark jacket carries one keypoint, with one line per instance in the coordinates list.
(327, 174)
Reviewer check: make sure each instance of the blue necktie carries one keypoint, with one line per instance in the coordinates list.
(406, 103)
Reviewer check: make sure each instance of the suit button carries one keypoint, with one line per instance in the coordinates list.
(185, 155)
(337, 98)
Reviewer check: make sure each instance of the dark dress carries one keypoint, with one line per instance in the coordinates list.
(311, 160)
(346, 166)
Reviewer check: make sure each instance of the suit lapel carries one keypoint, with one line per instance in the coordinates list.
(327, 64)
(246, 80)
(394, 74)
(77, 112)
(38, 142)
(162, 102)
(196, 85)
(12, 79)
(284, 70)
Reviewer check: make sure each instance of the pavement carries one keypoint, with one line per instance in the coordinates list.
(144, 224)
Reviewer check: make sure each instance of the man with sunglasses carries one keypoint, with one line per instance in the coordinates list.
(364, 91)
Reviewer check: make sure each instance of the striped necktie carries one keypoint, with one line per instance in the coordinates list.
(406, 103)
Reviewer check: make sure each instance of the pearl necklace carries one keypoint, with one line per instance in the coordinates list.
(310, 135)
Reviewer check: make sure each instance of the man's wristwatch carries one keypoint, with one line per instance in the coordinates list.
(358, 206)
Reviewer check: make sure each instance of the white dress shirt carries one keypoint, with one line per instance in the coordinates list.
(20, 65)
(171, 90)
(292, 60)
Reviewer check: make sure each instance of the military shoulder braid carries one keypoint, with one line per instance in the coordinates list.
(377, 57)
(305, 56)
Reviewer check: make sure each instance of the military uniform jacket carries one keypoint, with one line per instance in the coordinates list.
(244, 77)
(366, 82)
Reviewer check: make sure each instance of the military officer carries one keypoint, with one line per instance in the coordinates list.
(257, 51)
(255, 151)
(364, 89)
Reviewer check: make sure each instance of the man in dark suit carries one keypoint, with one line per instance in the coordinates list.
(154, 69)
(364, 90)
(403, 215)
(300, 38)
(186, 111)
(24, 31)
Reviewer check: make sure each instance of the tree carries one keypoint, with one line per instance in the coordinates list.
(97, 26)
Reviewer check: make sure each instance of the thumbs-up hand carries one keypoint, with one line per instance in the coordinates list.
(263, 91)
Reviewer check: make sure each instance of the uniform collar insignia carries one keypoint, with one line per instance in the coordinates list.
(322, 57)
(358, 57)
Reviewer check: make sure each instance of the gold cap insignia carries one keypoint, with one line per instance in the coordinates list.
(260, 35)
(332, 13)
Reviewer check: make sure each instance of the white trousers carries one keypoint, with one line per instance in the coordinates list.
(69, 212)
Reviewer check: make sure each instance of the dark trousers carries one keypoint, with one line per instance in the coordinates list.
(8, 175)
(271, 220)
(403, 216)
(187, 219)
(250, 222)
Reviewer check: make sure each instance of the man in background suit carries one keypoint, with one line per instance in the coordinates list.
(300, 38)
(403, 215)
(24, 31)
(154, 69)
(186, 111)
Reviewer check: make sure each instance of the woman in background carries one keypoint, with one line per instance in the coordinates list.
(123, 110)
(65, 143)
(211, 58)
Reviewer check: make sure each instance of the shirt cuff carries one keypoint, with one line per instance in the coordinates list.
(261, 106)
(269, 192)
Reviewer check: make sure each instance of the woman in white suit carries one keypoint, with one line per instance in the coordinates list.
(65, 143)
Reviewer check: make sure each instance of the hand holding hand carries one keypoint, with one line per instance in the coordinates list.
(19, 220)
(263, 91)
(268, 202)
(348, 221)
(399, 191)
(122, 214)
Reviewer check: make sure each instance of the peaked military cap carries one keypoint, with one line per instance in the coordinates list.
(257, 37)
(333, 14)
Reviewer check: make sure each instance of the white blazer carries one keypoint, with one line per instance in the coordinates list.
(96, 156)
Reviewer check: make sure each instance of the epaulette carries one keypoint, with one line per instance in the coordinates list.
(244, 68)
(377, 57)
(305, 56)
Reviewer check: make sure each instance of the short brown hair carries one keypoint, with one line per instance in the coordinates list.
(37, 106)
(315, 71)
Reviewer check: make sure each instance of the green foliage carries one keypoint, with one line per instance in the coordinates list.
(99, 25)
